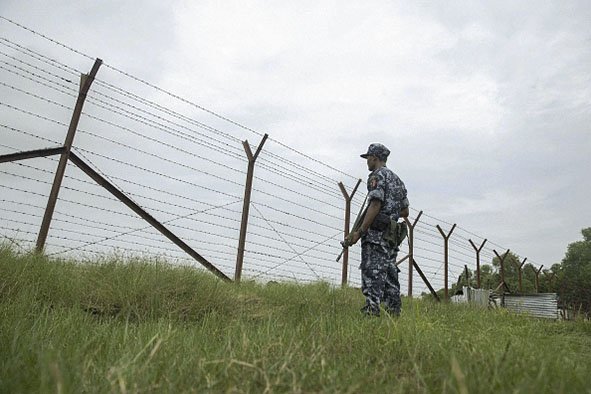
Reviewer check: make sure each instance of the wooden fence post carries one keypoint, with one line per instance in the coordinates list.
(549, 277)
(520, 273)
(537, 274)
(477, 250)
(348, 199)
(85, 82)
(246, 205)
(446, 256)
(411, 242)
(502, 264)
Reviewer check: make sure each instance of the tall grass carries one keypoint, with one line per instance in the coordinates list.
(141, 326)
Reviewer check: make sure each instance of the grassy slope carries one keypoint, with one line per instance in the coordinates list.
(141, 327)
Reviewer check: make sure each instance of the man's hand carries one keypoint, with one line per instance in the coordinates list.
(404, 213)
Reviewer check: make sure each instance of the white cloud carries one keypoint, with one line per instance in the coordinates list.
(328, 71)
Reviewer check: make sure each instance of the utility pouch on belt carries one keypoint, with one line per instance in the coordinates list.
(396, 233)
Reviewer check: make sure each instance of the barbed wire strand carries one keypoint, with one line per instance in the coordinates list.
(451, 242)
(221, 117)
(292, 164)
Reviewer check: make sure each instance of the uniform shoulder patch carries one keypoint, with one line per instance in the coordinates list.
(372, 182)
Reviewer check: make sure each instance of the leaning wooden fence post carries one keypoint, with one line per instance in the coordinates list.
(100, 180)
(477, 250)
(411, 231)
(85, 82)
(246, 205)
(422, 275)
(446, 255)
(348, 199)
(502, 264)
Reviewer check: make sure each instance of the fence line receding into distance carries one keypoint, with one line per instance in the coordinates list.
(157, 175)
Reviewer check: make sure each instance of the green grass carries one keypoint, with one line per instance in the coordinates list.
(147, 327)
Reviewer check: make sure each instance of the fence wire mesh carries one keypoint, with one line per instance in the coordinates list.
(186, 166)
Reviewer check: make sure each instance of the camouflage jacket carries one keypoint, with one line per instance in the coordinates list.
(386, 186)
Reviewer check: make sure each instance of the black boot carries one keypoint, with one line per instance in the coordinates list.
(369, 311)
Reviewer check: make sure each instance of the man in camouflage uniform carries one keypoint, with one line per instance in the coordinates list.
(387, 201)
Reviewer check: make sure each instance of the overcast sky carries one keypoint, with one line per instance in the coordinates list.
(486, 106)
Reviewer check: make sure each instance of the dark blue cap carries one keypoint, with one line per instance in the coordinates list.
(377, 150)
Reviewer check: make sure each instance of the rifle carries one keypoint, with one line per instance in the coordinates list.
(356, 226)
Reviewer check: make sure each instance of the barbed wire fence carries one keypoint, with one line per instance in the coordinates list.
(186, 167)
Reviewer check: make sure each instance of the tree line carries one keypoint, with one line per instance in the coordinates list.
(571, 278)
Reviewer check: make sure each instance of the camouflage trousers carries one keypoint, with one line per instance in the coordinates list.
(379, 279)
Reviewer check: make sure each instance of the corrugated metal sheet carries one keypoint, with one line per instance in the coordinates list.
(461, 298)
(543, 305)
(479, 297)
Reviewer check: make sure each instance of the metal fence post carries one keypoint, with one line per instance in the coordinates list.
(348, 199)
(446, 255)
(411, 232)
(477, 250)
(246, 205)
(85, 82)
